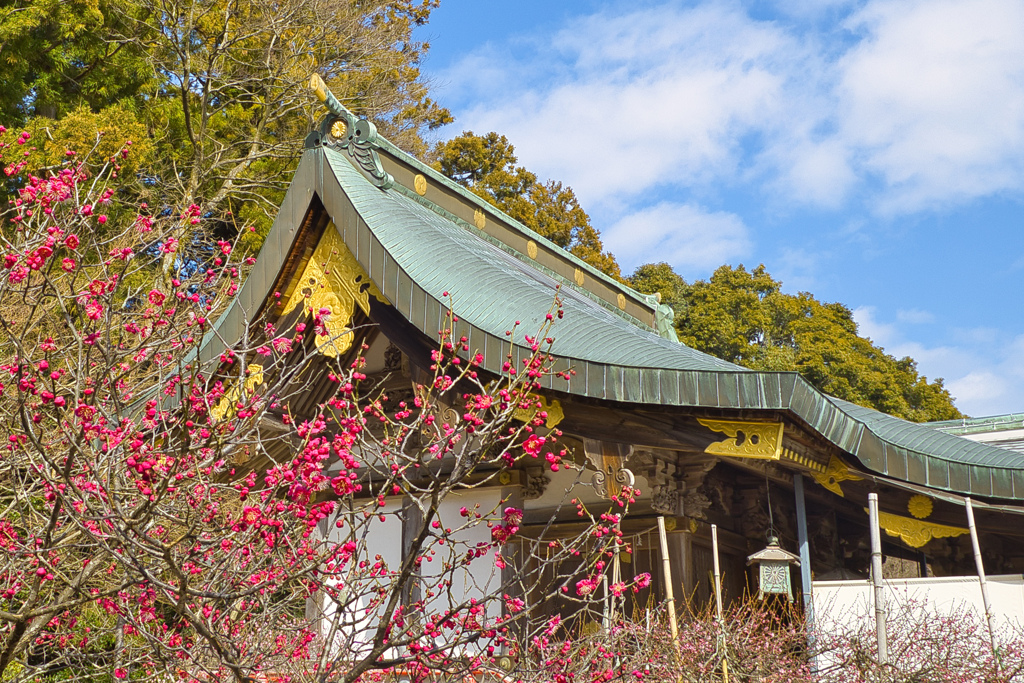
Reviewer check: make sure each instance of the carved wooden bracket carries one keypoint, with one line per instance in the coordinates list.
(226, 405)
(535, 482)
(833, 473)
(608, 459)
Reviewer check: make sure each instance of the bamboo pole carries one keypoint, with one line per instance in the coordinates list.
(606, 616)
(876, 579)
(718, 599)
(667, 572)
(981, 575)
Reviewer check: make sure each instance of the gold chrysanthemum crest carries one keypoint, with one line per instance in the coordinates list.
(920, 506)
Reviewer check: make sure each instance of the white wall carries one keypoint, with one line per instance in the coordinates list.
(385, 539)
(845, 605)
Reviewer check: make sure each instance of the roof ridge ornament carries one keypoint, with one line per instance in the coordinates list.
(342, 130)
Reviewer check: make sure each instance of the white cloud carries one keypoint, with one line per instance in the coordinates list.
(658, 96)
(687, 237)
(932, 99)
(983, 370)
(995, 387)
(914, 316)
(796, 268)
(922, 108)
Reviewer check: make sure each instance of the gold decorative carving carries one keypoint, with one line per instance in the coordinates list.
(479, 219)
(802, 460)
(621, 301)
(579, 277)
(420, 184)
(228, 402)
(552, 408)
(834, 473)
(339, 129)
(920, 506)
(761, 440)
(531, 249)
(319, 88)
(333, 279)
(915, 532)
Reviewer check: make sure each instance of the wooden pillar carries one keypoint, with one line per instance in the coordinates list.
(412, 521)
(680, 549)
(805, 561)
(805, 549)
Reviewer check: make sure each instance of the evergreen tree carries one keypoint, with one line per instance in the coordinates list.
(743, 316)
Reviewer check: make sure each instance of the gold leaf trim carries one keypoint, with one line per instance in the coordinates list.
(319, 88)
(552, 408)
(802, 460)
(228, 402)
(920, 506)
(761, 440)
(914, 532)
(333, 279)
(835, 472)
(420, 184)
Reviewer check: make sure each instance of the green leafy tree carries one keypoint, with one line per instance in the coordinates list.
(743, 316)
(661, 279)
(58, 55)
(486, 164)
(219, 88)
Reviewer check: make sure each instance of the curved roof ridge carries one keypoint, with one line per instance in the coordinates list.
(398, 242)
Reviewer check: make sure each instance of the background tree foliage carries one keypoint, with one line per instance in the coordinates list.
(212, 94)
(58, 55)
(216, 87)
(744, 317)
(486, 164)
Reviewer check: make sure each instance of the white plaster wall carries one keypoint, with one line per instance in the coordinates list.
(476, 580)
(842, 606)
(385, 539)
(481, 576)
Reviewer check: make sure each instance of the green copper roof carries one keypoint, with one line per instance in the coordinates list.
(980, 425)
(492, 288)
(414, 254)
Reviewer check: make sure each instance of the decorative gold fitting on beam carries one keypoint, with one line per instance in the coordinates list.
(553, 409)
(759, 440)
(833, 473)
(333, 280)
(915, 532)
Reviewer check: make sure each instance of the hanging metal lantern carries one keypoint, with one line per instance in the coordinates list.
(773, 565)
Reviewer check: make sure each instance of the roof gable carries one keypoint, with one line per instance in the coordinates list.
(415, 253)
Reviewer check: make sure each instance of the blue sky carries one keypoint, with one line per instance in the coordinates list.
(868, 152)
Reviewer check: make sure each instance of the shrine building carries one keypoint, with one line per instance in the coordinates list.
(379, 237)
